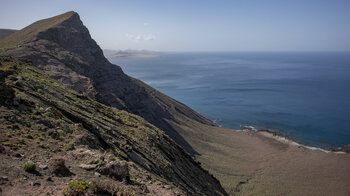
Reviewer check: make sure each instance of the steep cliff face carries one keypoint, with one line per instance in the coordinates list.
(64, 49)
(40, 116)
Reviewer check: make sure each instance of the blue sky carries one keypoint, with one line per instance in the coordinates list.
(199, 25)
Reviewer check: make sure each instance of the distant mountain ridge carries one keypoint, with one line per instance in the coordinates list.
(6, 32)
(112, 54)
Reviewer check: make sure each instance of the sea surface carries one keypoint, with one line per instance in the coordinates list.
(305, 96)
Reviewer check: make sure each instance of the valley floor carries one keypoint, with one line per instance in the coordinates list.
(248, 163)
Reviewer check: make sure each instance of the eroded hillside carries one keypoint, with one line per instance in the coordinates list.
(47, 123)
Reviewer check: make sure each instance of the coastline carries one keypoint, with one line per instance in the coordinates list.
(242, 160)
(278, 136)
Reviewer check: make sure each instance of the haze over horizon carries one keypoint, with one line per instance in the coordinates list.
(271, 25)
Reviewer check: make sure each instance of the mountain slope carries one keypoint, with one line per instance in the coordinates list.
(31, 31)
(247, 163)
(61, 120)
(6, 32)
(64, 49)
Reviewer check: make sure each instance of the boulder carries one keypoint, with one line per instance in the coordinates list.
(58, 168)
(346, 149)
(117, 170)
(2, 149)
(88, 166)
(87, 156)
(88, 140)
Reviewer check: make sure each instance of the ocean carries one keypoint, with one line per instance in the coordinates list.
(303, 95)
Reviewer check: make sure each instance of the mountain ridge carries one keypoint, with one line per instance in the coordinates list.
(32, 30)
(6, 32)
(67, 53)
(64, 50)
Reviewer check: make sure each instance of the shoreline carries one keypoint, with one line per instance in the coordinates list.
(278, 136)
(253, 162)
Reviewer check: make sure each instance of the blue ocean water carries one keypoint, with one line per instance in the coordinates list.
(305, 96)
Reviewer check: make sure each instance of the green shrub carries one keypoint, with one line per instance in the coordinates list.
(77, 188)
(31, 115)
(21, 140)
(60, 131)
(29, 166)
(47, 114)
(100, 163)
(9, 144)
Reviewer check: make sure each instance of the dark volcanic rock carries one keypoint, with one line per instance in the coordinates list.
(345, 149)
(58, 168)
(2, 149)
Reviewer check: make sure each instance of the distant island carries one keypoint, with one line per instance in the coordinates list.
(112, 54)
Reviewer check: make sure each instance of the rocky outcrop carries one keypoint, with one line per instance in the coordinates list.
(58, 168)
(116, 169)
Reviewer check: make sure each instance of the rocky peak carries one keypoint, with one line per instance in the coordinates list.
(64, 49)
(73, 36)
(30, 32)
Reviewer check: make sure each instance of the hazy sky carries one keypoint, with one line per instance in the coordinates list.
(199, 25)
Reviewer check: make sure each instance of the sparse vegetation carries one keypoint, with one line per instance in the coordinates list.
(100, 163)
(20, 140)
(40, 139)
(60, 131)
(49, 114)
(103, 188)
(9, 144)
(29, 166)
(76, 188)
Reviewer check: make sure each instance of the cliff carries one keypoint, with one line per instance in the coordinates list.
(43, 121)
(55, 139)
(64, 49)
(61, 48)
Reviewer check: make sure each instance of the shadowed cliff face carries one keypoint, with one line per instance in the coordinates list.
(66, 52)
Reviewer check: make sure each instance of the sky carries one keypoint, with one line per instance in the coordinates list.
(199, 25)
